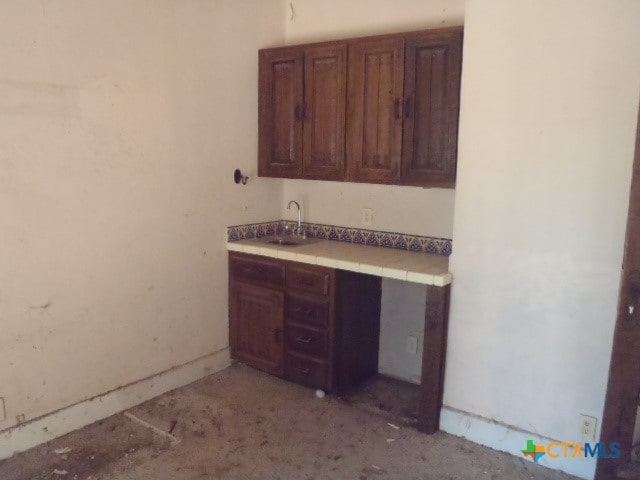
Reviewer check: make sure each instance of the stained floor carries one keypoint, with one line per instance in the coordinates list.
(240, 424)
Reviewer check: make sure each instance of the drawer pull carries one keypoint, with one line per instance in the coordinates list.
(305, 311)
(303, 370)
(303, 340)
(309, 282)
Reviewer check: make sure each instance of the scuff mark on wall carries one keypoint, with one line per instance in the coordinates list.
(31, 98)
(44, 306)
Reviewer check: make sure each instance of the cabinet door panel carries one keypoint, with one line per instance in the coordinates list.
(256, 327)
(324, 112)
(432, 90)
(280, 112)
(374, 132)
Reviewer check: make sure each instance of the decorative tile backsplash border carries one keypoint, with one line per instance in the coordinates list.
(402, 241)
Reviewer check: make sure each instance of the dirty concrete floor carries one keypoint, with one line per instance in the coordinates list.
(388, 397)
(240, 424)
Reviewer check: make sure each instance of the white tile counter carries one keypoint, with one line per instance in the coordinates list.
(383, 262)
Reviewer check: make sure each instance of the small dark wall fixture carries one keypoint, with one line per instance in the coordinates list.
(239, 177)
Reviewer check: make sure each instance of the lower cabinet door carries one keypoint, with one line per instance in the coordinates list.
(256, 327)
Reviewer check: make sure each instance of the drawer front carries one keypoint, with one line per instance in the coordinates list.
(310, 280)
(304, 340)
(306, 372)
(307, 311)
(256, 271)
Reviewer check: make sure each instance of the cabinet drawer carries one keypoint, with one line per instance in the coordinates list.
(305, 279)
(304, 340)
(306, 371)
(307, 311)
(256, 271)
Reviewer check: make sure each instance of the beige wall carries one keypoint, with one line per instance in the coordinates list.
(398, 209)
(549, 106)
(120, 125)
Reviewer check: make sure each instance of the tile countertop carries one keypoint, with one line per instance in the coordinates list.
(383, 262)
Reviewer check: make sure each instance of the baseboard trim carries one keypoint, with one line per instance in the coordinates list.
(45, 428)
(507, 438)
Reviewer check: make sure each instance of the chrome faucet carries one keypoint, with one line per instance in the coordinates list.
(299, 230)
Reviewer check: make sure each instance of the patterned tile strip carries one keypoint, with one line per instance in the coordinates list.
(402, 241)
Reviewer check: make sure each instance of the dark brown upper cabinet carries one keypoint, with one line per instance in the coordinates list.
(280, 112)
(375, 110)
(379, 109)
(302, 104)
(432, 97)
(325, 79)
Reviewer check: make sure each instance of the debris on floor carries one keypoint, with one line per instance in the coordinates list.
(240, 424)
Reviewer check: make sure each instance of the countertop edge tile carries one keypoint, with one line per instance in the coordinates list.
(287, 255)
(371, 269)
(394, 273)
(377, 263)
(348, 265)
(424, 278)
(306, 258)
(327, 262)
(234, 247)
(252, 249)
(269, 252)
(442, 280)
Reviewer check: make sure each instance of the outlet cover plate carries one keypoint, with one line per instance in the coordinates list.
(588, 426)
(412, 345)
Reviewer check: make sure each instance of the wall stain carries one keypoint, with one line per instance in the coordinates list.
(31, 98)
(44, 306)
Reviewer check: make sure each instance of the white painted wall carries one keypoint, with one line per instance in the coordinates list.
(120, 125)
(403, 310)
(418, 211)
(549, 106)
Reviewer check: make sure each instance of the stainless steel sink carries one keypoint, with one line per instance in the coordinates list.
(286, 240)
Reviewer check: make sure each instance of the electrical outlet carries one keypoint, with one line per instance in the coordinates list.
(20, 418)
(412, 345)
(367, 217)
(588, 428)
(3, 412)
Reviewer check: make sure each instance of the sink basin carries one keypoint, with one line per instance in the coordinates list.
(285, 240)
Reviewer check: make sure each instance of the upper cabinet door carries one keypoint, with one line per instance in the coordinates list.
(280, 112)
(325, 79)
(432, 91)
(374, 130)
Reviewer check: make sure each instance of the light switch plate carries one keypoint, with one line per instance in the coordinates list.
(3, 412)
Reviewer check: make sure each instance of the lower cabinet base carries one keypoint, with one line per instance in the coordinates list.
(320, 327)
